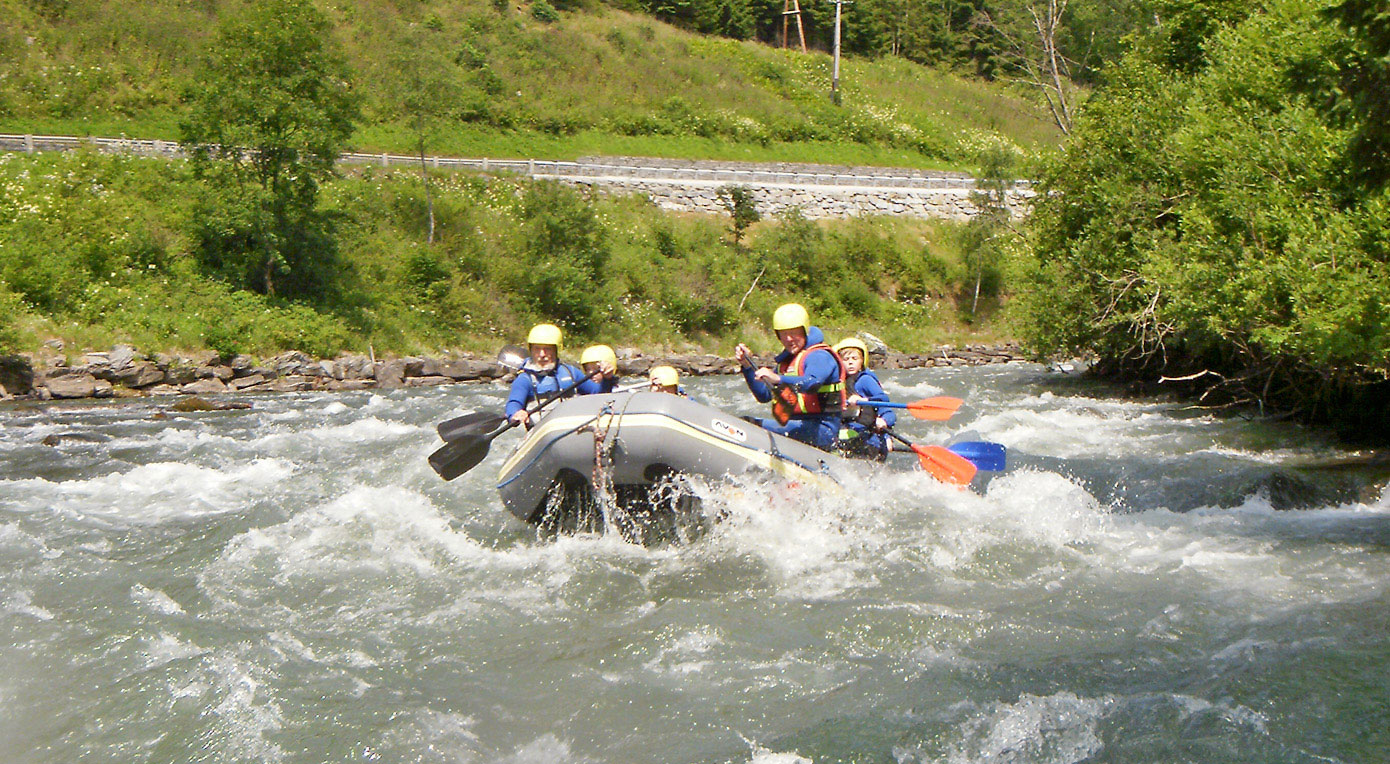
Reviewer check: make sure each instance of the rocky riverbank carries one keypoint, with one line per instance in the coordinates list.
(123, 372)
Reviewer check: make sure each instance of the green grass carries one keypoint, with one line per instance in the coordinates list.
(99, 251)
(596, 82)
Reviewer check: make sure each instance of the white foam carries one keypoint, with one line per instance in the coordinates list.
(808, 537)
(899, 391)
(21, 602)
(686, 654)
(166, 648)
(547, 749)
(1054, 729)
(155, 493)
(368, 430)
(155, 600)
(15, 541)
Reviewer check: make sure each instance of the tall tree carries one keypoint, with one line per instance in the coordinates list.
(1032, 33)
(422, 85)
(1366, 83)
(272, 109)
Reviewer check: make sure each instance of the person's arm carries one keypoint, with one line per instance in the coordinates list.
(869, 387)
(519, 395)
(760, 391)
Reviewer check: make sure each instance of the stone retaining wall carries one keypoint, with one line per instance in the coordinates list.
(821, 191)
(122, 372)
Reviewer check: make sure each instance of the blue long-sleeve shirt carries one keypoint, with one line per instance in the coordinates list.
(866, 385)
(821, 368)
(593, 386)
(533, 383)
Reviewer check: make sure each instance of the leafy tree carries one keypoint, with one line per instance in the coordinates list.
(565, 249)
(1366, 83)
(1200, 225)
(422, 86)
(270, 112)
(983, 236)
(741, 206)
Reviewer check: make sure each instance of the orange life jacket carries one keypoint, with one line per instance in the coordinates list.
(826, 399)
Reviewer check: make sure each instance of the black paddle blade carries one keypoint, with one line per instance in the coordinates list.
(477, 424)
(453, 459)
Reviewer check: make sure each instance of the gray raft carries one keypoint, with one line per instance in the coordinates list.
(638, 446)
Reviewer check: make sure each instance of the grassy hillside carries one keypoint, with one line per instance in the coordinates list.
(97, 249)
(597, 81)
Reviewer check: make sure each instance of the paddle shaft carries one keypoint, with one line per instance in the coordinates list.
(464, 453)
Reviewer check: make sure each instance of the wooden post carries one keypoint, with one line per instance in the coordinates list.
(793, 8)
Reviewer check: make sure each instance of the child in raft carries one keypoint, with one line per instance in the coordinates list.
(666, 379)
(863, 427)
(600, 365)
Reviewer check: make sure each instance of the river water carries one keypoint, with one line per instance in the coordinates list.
(293, 584)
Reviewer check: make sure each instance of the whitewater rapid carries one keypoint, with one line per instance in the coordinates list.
(293, 584)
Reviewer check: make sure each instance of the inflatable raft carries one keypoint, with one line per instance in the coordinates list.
(621, 461)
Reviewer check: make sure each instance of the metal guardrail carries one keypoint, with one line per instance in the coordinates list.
(658, 171)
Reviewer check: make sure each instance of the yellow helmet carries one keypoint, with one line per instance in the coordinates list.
(857, 344)
(664, 376)
(790, 316)
(599, 354)
(544, 334)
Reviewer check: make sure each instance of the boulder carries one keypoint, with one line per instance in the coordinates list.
(354, 367)
(137, 374)
(463, 369)
(195, 403)
(180, 374)
(122, 356)
(241, 365)
(292, 383)
(390, 374)
(428, 381)
(351, 384)
(75, 385)
(103, 389)
(292, 362)
(251, 380)
(222, 373)
(208, 386)
(16, 375)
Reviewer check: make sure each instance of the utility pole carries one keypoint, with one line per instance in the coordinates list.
(835, 78)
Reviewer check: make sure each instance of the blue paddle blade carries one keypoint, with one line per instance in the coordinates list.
(990, 457)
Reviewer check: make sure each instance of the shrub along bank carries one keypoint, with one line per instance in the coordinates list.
(1221, 215)
(98, 250)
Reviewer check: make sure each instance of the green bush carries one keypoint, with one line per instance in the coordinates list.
(544, 12)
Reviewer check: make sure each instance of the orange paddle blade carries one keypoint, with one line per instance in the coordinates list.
(944, 465)
(934, 409)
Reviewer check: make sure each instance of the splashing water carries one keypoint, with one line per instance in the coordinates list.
(293, 584)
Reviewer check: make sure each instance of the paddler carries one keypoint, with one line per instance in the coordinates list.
(600, 365)
(543, 374)
(808, 386)
(666, 379)
(862, 430)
